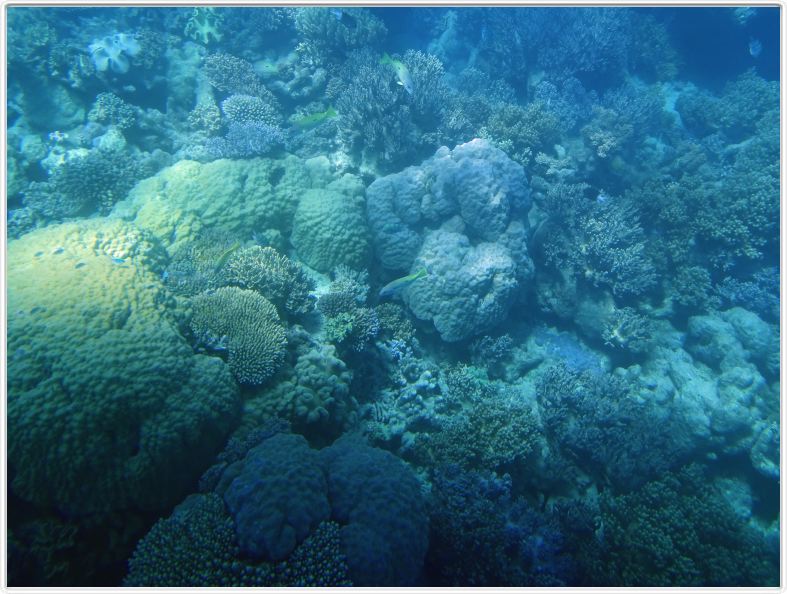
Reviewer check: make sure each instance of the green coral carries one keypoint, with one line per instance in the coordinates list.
(108, 407)
(246, 324)
(329, 227)
(238, 198)
(273, 275)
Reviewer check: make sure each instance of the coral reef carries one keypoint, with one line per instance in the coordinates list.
(329, 227)
(246, 325)
(273, 275)
(94, 424)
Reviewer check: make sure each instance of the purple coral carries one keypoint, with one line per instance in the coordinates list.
(243, 140)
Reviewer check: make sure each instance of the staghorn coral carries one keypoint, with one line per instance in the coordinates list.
(273, 275)
(329, 37)
(500, 431)
(521, 132)
(245, 324)
(628, 330)
(602, 242)
(677, 531)
(374, 121)
(353, 329)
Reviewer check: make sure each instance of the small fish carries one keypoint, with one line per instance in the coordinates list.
(337, 12)
(79, 265)
(314, 119)
(755, 47)
(118, 260)
(38, 254)
(396, 286)
(402, 74)
(226, 256)
(58, 250)
(37, 309)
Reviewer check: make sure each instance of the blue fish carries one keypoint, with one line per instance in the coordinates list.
(118, 260)
(755, 47)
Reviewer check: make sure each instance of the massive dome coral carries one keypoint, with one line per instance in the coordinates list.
(462, 215)
(108, 407)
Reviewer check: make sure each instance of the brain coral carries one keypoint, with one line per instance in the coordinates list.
(108, 407)
(330, 227)
(246, 324)
(234, 197)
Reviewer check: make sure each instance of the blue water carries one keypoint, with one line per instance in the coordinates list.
(338, 296)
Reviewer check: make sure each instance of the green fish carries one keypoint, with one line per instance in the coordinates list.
(401, 73)
(395, 287)
(314, 119)
(226, 256)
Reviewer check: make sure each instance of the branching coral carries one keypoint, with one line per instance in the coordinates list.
(245, 324)
(247, 108)
(234, 75)
(678, 531)
(273, 275)
(601, 241)
(244, 140)
(521, 131)
(91, 181)
(329, 34)
(108, 108)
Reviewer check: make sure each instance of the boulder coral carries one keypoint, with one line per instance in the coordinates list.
(108, 407)
(459, 215)
(235, 197)
(329, 228)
